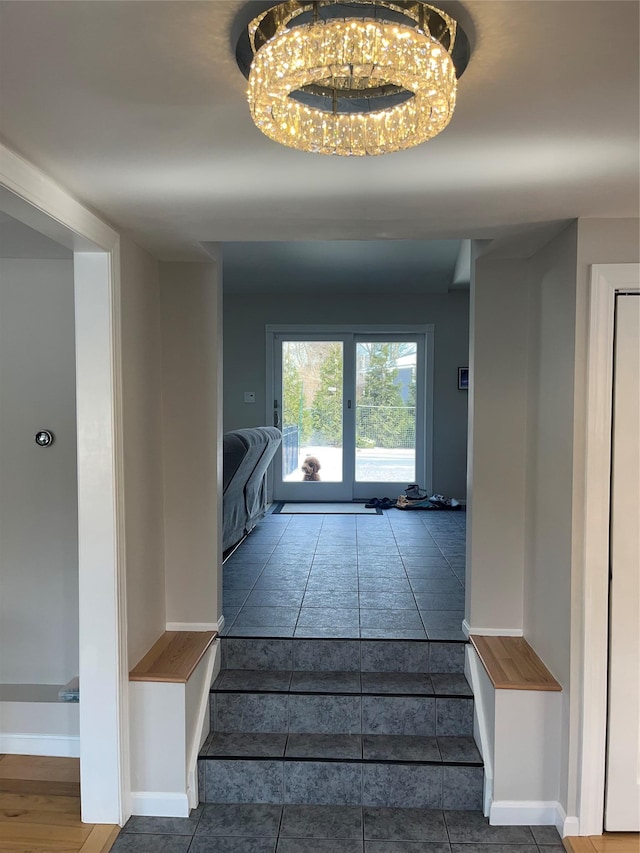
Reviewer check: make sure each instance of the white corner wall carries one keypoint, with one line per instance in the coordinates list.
(497, 447)
(143, 449)
(191, 319)
(38, 486)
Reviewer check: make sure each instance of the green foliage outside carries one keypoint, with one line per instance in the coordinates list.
(326, 409)
(383, 417)
(294, 412)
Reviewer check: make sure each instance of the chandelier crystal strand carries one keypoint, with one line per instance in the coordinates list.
(352, 58)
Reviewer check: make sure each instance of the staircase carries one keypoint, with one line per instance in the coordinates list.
(386, 723)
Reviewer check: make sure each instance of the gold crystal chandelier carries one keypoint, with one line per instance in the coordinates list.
(353, 77)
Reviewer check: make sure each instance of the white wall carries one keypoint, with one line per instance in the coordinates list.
(143, 449)
(191, 318)
(38, 486)
(496, 512)
(245, 317)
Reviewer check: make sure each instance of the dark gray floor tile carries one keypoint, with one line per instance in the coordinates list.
(436, 585)
(451, 683)
(402, 715)
(387, 600)
(327, 655)
(324, 714)
(331, 598)
(400, 824)
(256, 820)
(440, 601)
(395, 656)
(209, 844)
(234, 598)
(275, 598)
(439, 633)
(325, 682)
(243, 781)
(327, 632)
(256, 617)
(267, 654)
(253, 679)
(458, 749)
(404, 620)
(442, 618)
(247, 744)
(305, 821)
(551, 848)
(164, 825)
(446, 657)
(131, 842)
(390, 633)
(399, 748)
(476, 847)
(370, 583)
(396, 682)
(320, 845)
(468, 827)
(454, 716)
(246, 712)
(281, 582)
(406, 847)
(323, 617)
(402, 785)
(320, 582)
(268, 631)
(462, 787)
(338, 746)
(546, 835)
(318, 783)
(415, 566)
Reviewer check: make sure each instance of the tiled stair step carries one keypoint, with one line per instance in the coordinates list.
(423, 715)
(444, 785)
(423, 656)
(366, 749)
(316, 682)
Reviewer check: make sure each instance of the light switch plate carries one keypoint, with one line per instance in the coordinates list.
(249, 396)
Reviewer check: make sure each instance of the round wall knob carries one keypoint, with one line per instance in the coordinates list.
(44, 438)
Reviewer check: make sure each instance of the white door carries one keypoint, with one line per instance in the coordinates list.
(354, 405)
(622, 806)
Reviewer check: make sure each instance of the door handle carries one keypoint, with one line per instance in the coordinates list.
(276, 416)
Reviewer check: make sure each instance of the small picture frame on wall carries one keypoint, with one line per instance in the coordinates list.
(463, 378)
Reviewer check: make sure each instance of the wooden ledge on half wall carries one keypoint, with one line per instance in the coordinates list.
(174, 657)
(512, 664)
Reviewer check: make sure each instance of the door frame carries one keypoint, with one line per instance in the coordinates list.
(426, 414)
(606, 280)
(30, 196)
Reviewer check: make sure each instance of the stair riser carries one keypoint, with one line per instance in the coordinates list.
(391, 715)
(340, 783)
(343, 655)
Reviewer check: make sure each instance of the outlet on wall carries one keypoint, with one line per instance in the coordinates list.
(249, 396)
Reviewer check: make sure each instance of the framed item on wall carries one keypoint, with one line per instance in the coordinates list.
(463, 378)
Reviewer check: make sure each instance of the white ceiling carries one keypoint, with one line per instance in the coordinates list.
(139, 109)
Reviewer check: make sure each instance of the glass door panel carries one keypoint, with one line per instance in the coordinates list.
(312, 403)
(385, 408)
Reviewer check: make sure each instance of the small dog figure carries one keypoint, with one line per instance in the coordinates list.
(310, 468)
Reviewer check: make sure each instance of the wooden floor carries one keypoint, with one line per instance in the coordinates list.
(40, 808)
(610, 842)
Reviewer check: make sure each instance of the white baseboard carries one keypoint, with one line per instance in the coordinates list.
(159, 804)
(567, 825)
(194, 626)
(523, 813)
(59, 746)
(491, 632)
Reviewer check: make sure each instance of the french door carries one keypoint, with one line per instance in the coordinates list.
(352, 407)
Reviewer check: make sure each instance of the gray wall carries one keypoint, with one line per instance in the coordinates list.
(245, 318)
(38, 486)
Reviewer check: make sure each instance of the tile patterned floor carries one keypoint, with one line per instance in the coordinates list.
(263, 828)
(397, 575)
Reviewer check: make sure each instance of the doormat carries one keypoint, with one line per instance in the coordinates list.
(325, 509)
